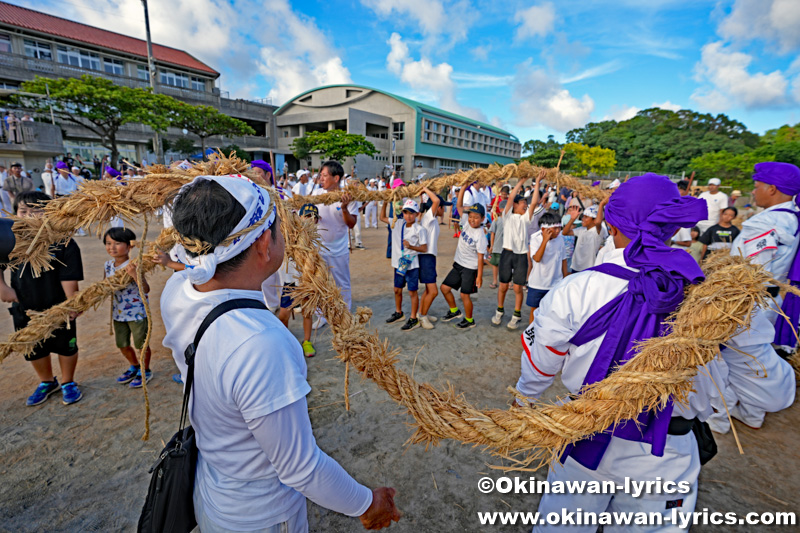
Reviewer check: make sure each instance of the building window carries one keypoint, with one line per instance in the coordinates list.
(174, 79)
(427, 136)
(142, 72)
(38, 50)
(5, 43)
(427, 124)
(198, 84)
(78, 58)
(398, 129)
(113, 66)
(447, 165)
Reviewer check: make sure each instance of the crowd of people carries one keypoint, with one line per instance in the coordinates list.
(597, 278)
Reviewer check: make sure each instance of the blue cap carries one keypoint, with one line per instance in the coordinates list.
(477, 208)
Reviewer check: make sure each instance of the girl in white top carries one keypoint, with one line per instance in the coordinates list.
(548, 260)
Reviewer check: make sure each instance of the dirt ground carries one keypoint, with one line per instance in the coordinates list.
(84, 467)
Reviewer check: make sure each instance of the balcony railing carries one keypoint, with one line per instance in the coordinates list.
(32, 137)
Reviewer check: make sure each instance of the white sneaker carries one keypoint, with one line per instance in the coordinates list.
(498, 318)
(433, 319)
(514, 322)
(425, 323)
(318, 322)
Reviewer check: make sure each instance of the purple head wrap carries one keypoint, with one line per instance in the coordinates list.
(784, 176)
(266, 167)
(114, 173)
(61, 165)
(595, 183)
(648, 210)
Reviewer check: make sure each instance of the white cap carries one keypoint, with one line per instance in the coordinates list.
(614, 184)
(590, 211)
(411, 205)
(76, 169)
(714, 181)
(301, 173)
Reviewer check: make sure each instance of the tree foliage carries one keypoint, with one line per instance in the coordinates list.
(205, 121)
(591, 159)
(96, 104)
(664, 141)
(237, 152)
(333, 144)
(183, 146)
(547, 153)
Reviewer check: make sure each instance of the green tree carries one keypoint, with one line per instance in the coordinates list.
(237, 151)
(301, 148)
(334, 144)
(166, 145)
(735, 170)
(96, 104)
(591, 159)
(660, 140)
(183, 146)
(205, 121)
(547, 154)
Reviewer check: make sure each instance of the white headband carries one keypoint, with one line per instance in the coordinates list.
(545, 226)
(257, 203)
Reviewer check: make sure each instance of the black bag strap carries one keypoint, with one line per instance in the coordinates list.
(191, 350)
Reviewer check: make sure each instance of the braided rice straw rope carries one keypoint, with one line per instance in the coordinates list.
(97, 202)
(710, 315)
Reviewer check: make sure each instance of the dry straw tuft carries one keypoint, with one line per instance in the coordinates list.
(711, 314)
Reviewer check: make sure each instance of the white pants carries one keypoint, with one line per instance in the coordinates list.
(761, 380)
(340, 269)
(295, 524)
(357, 228)
(598, 503)
(371, 215)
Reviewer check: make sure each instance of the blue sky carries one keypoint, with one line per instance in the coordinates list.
(534, 68)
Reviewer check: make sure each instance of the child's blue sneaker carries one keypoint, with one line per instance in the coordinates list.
(43, 392)
(137, 381)
(128, 375)
(70, 393)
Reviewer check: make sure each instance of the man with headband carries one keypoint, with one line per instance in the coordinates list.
(257, 457)
(770, 238)
(264, 171)
(589, 324)
(112, 174)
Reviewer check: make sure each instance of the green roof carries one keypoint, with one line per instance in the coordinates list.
(419, 106)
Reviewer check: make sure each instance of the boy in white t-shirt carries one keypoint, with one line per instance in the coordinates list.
(588, 238)
(409, 239)
(432, 208)
(548, 260)
(467, 270)
(514, 259)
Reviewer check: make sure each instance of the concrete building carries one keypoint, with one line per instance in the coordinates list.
(33, 43)
(426, 139)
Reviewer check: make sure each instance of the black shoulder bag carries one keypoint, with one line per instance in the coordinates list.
(168, 507)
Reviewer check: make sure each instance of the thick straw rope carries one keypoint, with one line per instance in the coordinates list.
(711, 314)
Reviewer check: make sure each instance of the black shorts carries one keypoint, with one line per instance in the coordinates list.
(63, 342)
(462, 279)
(513, 266)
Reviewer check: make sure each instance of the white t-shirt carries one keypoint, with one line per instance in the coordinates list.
(683, 235)
(547, 272)
(303, 189)
(431, 225)
(332, 229)
(471, 243)
(587, 244)
(237, 383)
(715, 203)
(414, 234)
(515, 232)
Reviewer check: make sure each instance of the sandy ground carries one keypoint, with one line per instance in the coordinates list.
(84, 468)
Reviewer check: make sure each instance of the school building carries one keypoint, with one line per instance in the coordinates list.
(417, 138)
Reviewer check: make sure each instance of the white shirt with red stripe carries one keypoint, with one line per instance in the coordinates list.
(560, 315)
(769, 239)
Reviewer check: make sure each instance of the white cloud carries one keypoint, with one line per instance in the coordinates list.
(667, 105)
(479, 81)
(425, 77)
(449, 19)
(600, 70)
(535, 21)
(620, 113)
(539, 99)
(774, 21)
(727, 73)
(481, 53)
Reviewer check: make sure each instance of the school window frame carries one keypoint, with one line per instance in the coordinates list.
(5, 43)
(113, 66)
(143, 72)
(78, 58)
(198, 84)
(38, 49)
(173, 79)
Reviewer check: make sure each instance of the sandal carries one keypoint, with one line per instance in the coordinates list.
(493, 285)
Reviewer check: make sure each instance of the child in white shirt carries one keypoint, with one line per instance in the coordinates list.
(588, 238)
(409, 239)
(432, 208)
(549, 260)
(467, 268)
